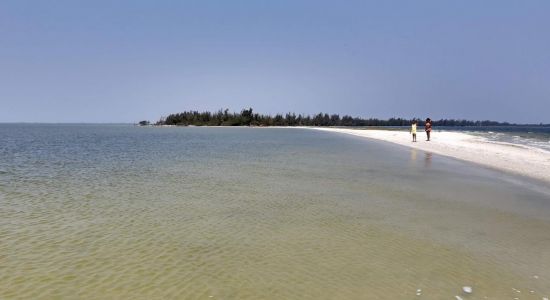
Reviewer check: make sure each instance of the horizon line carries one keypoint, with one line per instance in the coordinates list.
(137, 123)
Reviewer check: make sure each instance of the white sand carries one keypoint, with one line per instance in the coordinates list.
(518, 159)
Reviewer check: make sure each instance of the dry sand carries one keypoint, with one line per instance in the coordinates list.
(518, 159)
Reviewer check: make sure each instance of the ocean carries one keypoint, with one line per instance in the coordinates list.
(532, 136)
(124, 212)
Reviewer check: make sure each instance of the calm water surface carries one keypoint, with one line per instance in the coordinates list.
(122, 212)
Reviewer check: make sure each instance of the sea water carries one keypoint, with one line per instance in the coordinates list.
(124, 212)
(532, 136)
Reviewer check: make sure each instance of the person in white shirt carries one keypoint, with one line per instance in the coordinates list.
(413, 130)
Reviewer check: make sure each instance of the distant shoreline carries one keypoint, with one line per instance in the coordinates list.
(247, 117)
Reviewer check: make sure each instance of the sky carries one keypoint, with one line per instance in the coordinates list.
(125, 61)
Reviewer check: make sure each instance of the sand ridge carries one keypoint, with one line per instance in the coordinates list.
(518, 159)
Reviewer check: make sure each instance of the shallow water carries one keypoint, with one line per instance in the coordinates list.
(103, 212)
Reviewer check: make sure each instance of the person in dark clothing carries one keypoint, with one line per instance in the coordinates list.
(428, 128)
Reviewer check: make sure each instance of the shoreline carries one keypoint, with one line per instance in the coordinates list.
(512, 158)
(517, 159)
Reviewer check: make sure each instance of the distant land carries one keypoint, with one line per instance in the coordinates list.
(248, 118)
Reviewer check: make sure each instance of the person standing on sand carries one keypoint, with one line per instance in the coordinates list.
(428, 128)
(413, 130)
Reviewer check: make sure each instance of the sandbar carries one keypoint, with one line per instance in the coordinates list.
(514, 158)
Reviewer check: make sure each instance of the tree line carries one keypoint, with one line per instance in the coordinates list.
(248, 118)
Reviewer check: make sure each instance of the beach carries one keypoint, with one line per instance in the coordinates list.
(514, 158)
(125, 212)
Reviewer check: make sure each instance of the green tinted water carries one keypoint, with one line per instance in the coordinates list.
(111, 212)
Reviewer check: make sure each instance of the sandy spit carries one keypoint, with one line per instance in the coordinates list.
(517, 159)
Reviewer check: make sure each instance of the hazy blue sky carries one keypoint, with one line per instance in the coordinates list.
(123, 61)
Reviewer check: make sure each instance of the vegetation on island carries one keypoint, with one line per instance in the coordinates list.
(248, 118)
